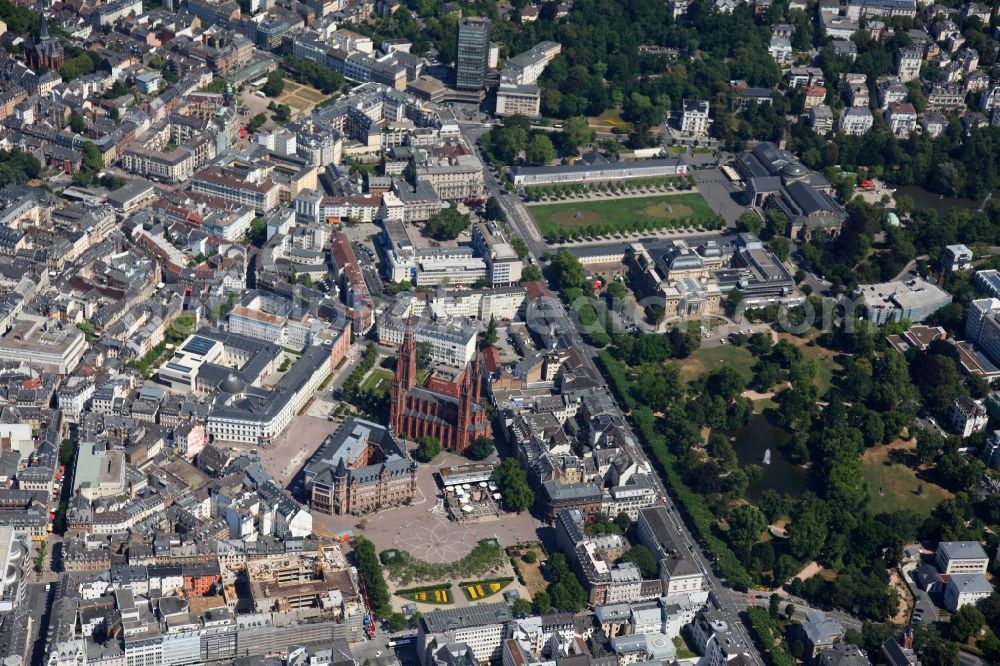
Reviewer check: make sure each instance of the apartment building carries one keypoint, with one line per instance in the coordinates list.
(901, 119)
(503, 266)
(890, 91)
(908, 61)
(254, 189)
(982, 326)
(821, 119)
(856, 121)
(968, 416)
(946, 98)
(174, 167)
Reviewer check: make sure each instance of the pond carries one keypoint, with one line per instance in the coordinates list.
(926, 199)
(751, 442)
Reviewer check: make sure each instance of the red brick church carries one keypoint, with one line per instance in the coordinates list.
(45, 51)
(446, 407)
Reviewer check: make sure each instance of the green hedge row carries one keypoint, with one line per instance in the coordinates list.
(763, 629)
(693, 504)
(503, 580)
(425, 588)
(616, 372)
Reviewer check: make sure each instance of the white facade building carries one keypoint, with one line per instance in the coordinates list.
(961, 557)
(694, 117)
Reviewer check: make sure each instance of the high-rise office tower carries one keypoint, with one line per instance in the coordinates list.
(473, 53)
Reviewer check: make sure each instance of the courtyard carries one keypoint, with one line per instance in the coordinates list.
(293, 448)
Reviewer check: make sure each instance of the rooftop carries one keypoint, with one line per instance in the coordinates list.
(450, 619)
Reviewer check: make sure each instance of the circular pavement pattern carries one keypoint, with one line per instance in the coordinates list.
(438, 543)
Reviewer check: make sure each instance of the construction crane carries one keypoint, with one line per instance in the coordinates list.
(369, 619)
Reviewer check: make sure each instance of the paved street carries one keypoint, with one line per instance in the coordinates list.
(727, 600)
(516, 213)
(39, 611)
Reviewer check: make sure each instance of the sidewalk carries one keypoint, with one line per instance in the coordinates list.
(636, 236)
(604, 196)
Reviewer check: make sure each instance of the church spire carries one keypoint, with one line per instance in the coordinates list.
(406, 363)
(404, 380)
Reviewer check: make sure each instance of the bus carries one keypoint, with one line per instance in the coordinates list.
(730, 173)
(402, 640)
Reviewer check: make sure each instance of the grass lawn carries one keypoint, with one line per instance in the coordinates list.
(612, 118)
(377, 382)
(712, 358)
(882, 469)
(311, 94)
(622, 214)
(300, 96)
(759, 406)
(826, 364)
(684, 651)
(532, 573)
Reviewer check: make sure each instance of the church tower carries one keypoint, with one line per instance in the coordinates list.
(405, 379)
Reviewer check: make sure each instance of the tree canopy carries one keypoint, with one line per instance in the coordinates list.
(446, 224)
(513, 484)
(428, 449)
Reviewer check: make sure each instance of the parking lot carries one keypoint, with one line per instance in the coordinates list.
(718, 192)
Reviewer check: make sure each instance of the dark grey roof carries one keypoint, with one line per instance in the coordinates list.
(637, 166)
(963, 550)
(809, 200)
(675, 558)
(339, 451)
(440, 621)
(896, 655)
(568, 491)
(843, 654)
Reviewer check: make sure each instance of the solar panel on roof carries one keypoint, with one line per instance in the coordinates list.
(199, 345)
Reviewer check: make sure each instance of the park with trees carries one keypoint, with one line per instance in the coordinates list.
(869, 404)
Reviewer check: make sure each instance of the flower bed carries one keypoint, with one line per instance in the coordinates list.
(429, 594)
(480, 589)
